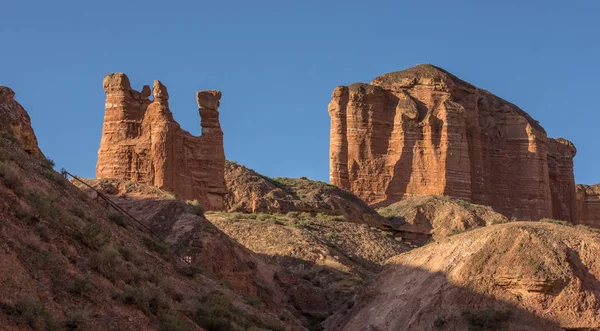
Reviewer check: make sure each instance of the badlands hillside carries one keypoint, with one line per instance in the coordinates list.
(414, 233)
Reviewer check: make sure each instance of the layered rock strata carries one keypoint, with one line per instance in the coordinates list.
(588, 205)
(425, 131)
(142, 142)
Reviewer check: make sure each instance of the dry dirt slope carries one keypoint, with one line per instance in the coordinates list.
(336, 256)
(68, 263)
(514, 276)
(438, 216)
(251, 192)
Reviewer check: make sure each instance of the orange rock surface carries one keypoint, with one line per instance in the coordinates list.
(588, 205)
(425, 131)
(16, 121)
(142, 142)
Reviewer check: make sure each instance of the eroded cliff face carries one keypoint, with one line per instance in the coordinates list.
(15, 121)
(425, 131)
(588, 205)
(142, 142)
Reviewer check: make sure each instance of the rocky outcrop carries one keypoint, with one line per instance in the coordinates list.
(142, 142)
(425, 131)
(588, 205)
(250, 192)
(514, 276)
(16, 122)
(437, 217)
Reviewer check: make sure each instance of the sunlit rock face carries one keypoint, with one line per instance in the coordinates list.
(142, 142)
(425, 131)
(588, 205)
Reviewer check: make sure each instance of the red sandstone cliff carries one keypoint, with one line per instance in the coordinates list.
(15, 120)
(425, 131)
(588, 205)
(142, 142)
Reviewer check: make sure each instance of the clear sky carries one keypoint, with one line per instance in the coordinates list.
(277, 62)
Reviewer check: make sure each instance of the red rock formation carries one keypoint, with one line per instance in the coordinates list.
(562, 179)
(142, 142)
(588, 205)
(16, 121)
(425, 131)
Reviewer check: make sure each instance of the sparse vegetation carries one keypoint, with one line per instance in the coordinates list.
(189, 271)
(78, 319)
(81, 286)
(31, 312)
(463, 203)
(107, 263)
(554, 221)
(119, 219)
(302, 223)
(155, 246)
(10, 177)
(93, 236)
(126, 253)
(47, 163)
(44, 204)
(214, 312)
(195, 207)
(172, 323)
(254, 301)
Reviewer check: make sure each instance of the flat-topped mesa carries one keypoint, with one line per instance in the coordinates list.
(588, 205)
(15, 121)
(142, 142)
(425, 131)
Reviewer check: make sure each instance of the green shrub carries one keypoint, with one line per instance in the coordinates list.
(195, 207)
(81, 286)
(29, 311)
(10, 177)
(44, 205)
(43, 232)
(189, 270)
(77, 319)
(78, 212)
(151, 302)
(126, 253)
(172, 323)
(155, 246)
(119, 219)
(47, 163)
(262, 216)
(214, 312)
(553, 221)
(93, 236)
(254, 301)
(486, 319)
(107, 263)
(293, 214)
(275, 221)
(302, 223)
(463, 203)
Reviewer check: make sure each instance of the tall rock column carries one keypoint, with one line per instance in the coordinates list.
(142, 142)
(213, 153)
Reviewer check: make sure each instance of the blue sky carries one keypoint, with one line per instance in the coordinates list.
(277, 62)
